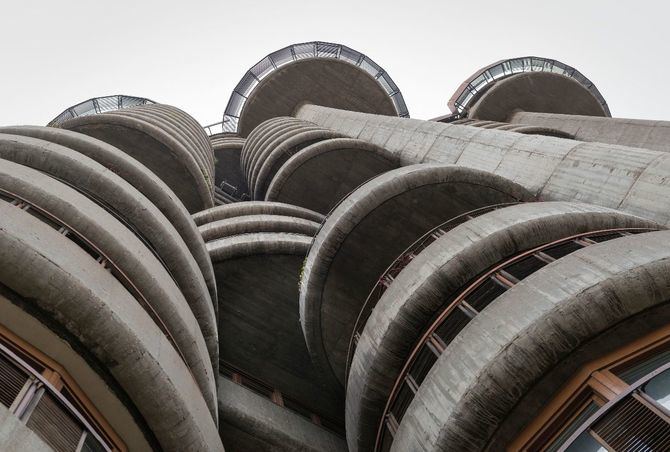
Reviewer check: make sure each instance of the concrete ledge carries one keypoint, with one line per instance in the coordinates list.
(16, 437)
(120, 198)
(92, 306)
(270, 162)
(247, 224)
(529, 330)
(320, 175)
(264, 133)
(155, 148)
(255, 208)
(364, 234)
(144, 181)
(437, 275)
(268, 426)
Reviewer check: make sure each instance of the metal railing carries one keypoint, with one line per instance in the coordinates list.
(98, 105)
(464, 95)
(301, 51)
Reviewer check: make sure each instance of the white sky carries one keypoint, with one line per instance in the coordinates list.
(192, 53)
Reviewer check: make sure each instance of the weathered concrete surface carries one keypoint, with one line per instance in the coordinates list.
(542, 323)
(364, 234)
(322, 81)
(129, 255)
(255, 208)
(251, 422)
(639, 133)
(630, 179)
(259, 327)
(93, 307)
(320, 175)
(140, 177)
(512, 127)
(272, 161)
(227, 151)
(247, 224)
(100, 389)
(535, 91)
(124, 201)
(16, 437)
(434, 278)
(153, 143)
(260, 135)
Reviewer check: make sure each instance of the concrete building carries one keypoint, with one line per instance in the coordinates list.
(319, 272)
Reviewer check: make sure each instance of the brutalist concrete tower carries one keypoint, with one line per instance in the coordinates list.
(319, 272)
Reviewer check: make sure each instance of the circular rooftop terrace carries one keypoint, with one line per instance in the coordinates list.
(470, 90)
(98, 105)
(311, 72)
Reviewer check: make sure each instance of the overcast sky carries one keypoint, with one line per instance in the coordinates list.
(192, 53)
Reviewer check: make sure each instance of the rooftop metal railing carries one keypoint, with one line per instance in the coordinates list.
(306, 50)
(475, 84)
(99, 105)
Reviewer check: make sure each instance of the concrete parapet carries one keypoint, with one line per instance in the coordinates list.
(255, 208)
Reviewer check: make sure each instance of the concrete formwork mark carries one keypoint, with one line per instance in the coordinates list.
(537, 324)
(95, 308)
(176, 133)
(352, 249)
(272, 141)
(435, 277)
(261, 133)
(556, 169)
(255, 208)
(356, 162)
(128, 255)
(156, 149)
(247, 224)
(140, 177)
(272, 161)
(122, 199)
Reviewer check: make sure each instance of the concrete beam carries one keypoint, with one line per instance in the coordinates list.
(247, 224)
(251, 422)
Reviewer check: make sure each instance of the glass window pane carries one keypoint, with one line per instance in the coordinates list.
(658, 388)
(586, 443)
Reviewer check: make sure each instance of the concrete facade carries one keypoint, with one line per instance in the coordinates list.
(327, 274)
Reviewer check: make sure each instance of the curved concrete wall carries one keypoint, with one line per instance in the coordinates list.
(164, 139)
(96, 309)
(602, 288)
(432, 280)
(227, 165)
(366, 232)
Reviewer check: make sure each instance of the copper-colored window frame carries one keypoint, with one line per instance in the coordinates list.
(596, 374)
(59, 378)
